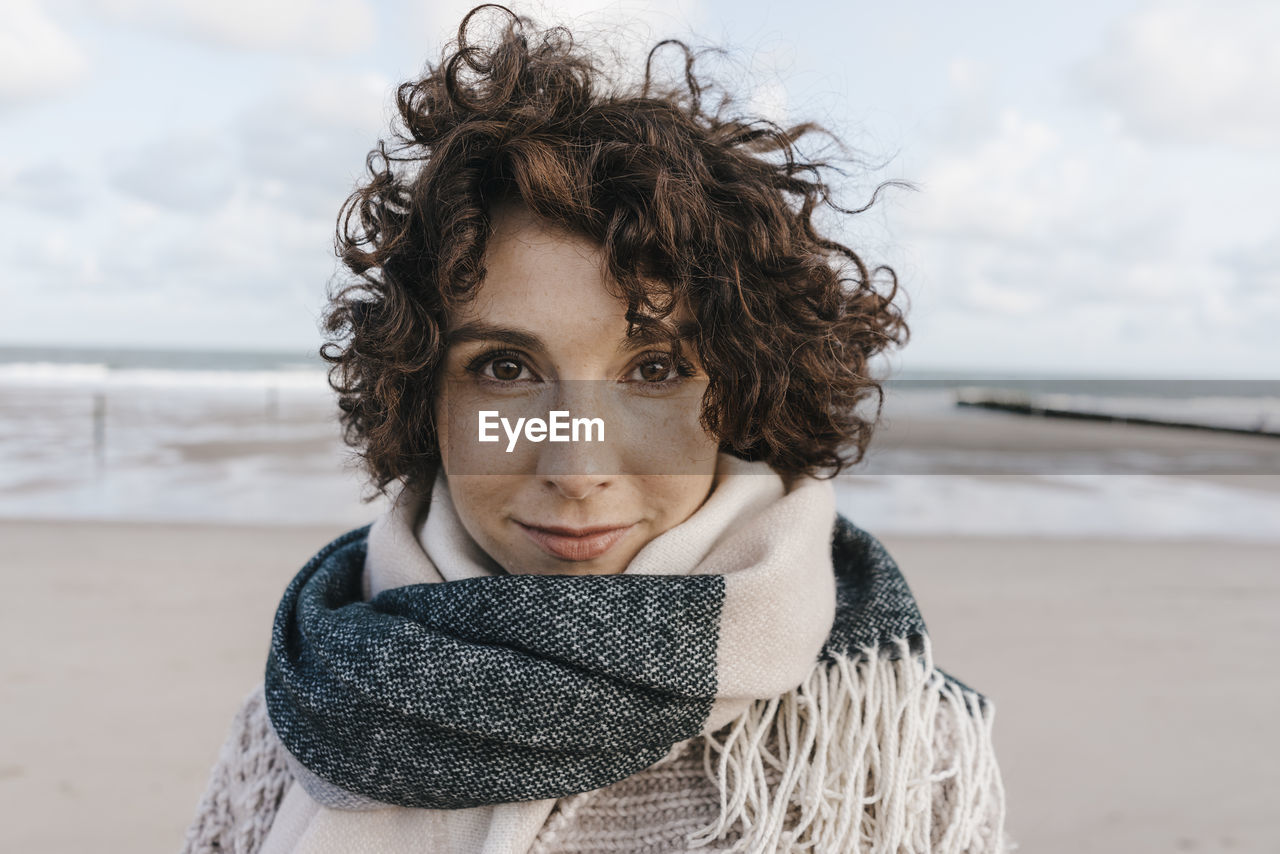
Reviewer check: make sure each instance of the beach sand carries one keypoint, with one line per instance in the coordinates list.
(1134, 681)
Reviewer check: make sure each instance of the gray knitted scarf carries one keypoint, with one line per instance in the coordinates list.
(521, 687)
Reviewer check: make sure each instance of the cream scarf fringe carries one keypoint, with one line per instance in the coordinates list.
(851, 761)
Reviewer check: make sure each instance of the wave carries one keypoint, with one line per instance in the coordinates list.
(99, 375)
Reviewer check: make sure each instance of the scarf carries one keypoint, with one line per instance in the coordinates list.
(430, 701)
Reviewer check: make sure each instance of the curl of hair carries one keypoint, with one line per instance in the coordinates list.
(717, 208)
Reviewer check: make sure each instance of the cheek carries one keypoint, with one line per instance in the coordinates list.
(674, 498)
(456, 438)
(481, 502)
(664, 437)
(469, 499)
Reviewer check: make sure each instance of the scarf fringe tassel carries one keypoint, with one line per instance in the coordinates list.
(852, 759)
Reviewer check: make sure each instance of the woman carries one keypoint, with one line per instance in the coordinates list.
(652, 633)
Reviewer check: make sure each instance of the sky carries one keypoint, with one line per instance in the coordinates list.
(1096, 182)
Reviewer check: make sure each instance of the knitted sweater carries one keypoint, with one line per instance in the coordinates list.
(648, 813)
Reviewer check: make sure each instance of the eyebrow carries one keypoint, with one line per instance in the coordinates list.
(481, 330)
(661, 334)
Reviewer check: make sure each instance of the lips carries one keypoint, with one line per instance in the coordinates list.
(575, 543)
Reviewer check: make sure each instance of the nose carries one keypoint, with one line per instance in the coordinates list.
(586, 465)
(576, 470)
(576, 487)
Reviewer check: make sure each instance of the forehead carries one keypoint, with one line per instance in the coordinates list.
(545, 278)
(525, 254)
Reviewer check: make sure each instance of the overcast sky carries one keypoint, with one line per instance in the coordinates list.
(1098, 181)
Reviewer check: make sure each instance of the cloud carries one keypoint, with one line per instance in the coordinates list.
(48, 187)
(319, 27)
(1027, 183)
(623, 30)
(1194, 71)
(247, 251)
(190, 172)
(244, 274)
(300, 148)
(1064, 239)
(36, 57)
(212, 235)
(1256, 268)
(304, 147)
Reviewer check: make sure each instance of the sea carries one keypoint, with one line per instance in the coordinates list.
(253, 438)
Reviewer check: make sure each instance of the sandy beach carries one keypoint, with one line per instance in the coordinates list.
(1134, 681)
(1113, 588)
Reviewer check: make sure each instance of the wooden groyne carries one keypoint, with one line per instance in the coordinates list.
(1084, 408)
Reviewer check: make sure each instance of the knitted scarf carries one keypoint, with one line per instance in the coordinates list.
(430, 701)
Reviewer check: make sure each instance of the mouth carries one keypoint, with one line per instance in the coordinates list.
(575, 543)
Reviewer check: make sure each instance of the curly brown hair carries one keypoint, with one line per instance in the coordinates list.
(718, 209)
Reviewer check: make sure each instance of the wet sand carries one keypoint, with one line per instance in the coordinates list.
(975, 442)
(1134, 681)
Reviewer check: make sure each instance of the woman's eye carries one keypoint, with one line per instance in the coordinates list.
(654, 371)
(660, 369)
(506, 369)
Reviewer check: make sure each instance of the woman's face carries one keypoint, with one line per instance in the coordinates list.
(542, 336)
